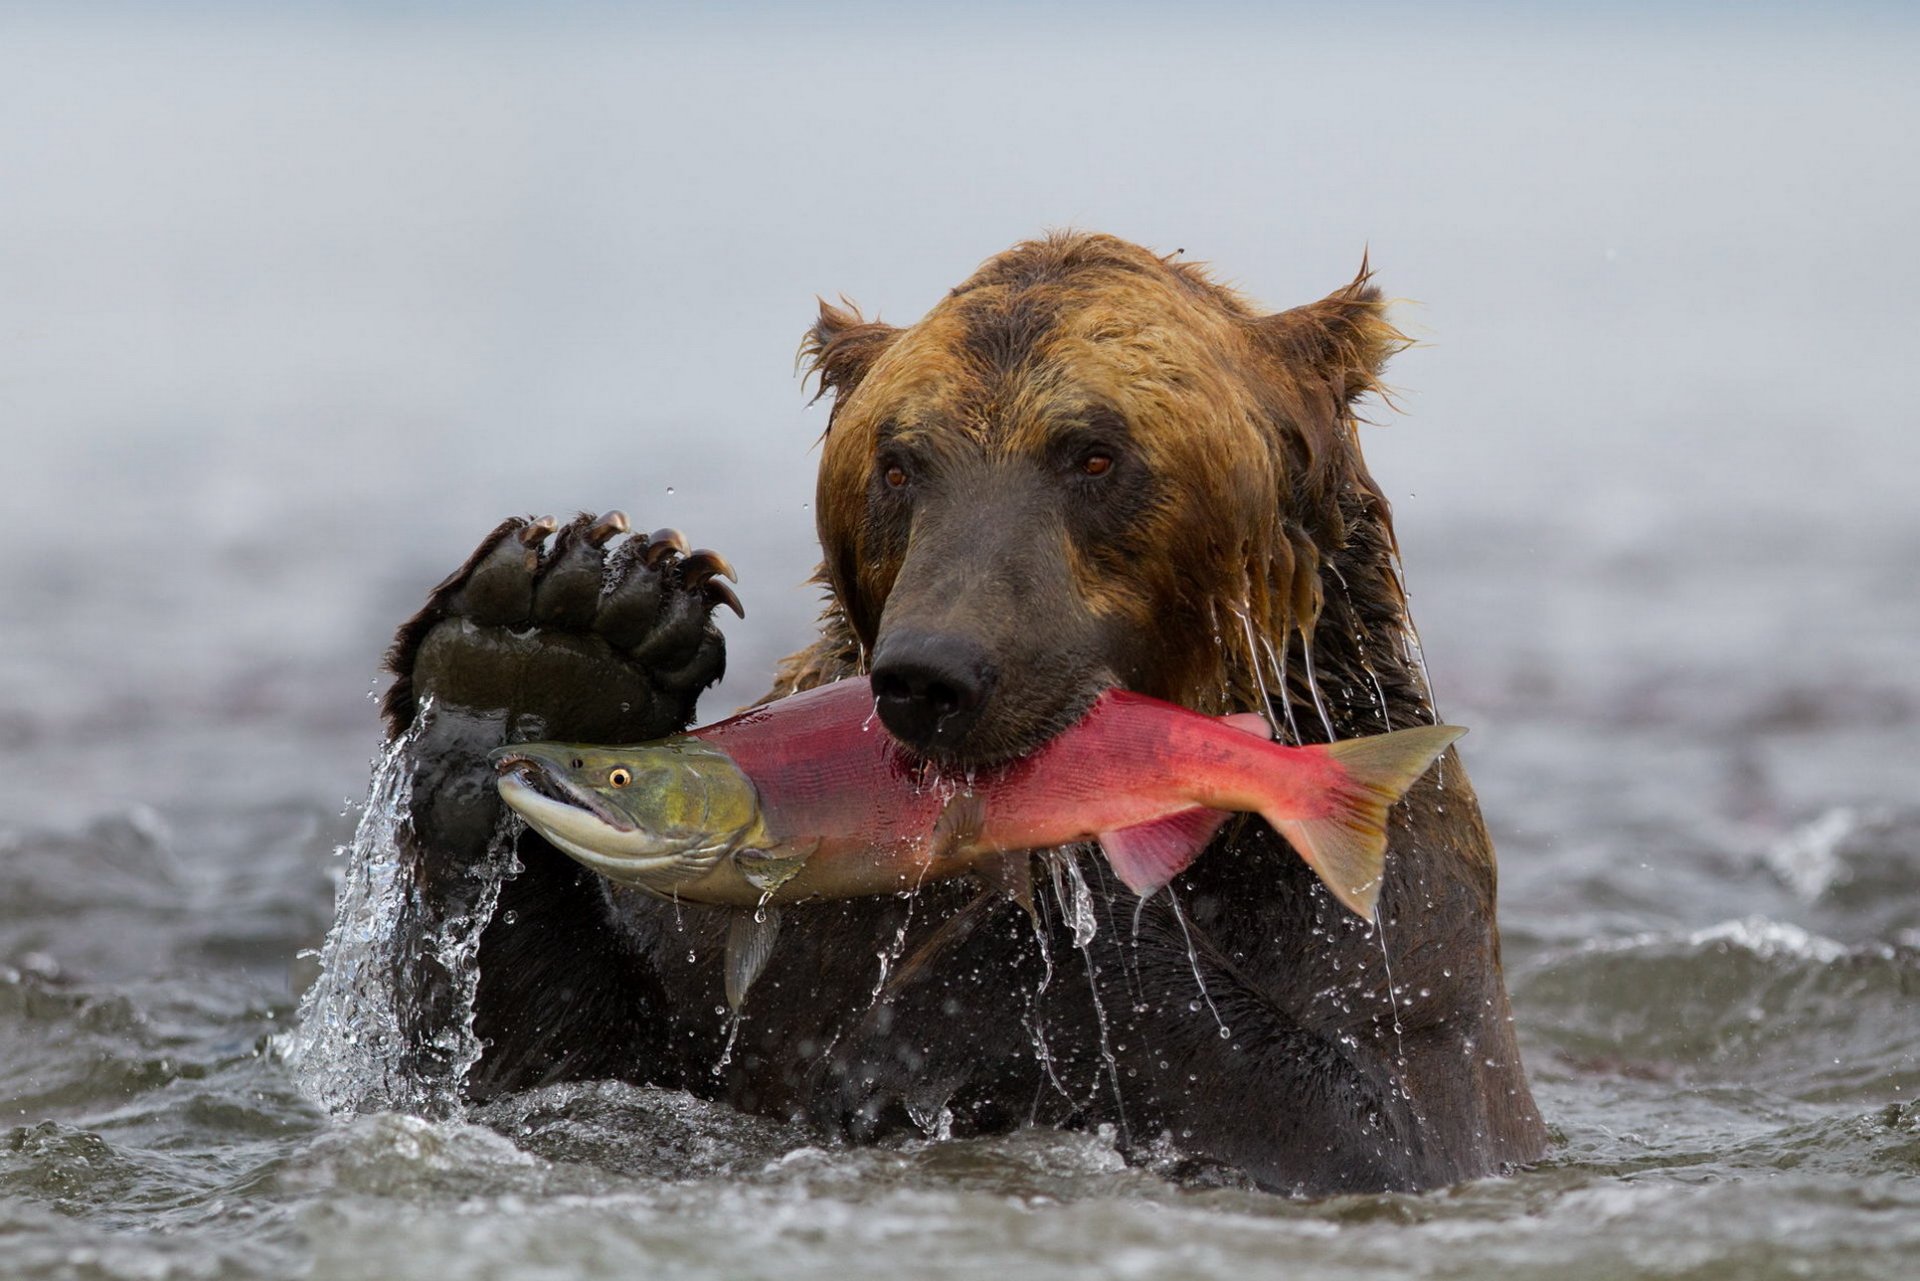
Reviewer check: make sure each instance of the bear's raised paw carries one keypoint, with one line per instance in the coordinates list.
(581, 631)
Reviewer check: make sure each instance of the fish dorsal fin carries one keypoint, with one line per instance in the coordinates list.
(1250, 723)
(1012, 875)
(1148, 855)
(750, 940)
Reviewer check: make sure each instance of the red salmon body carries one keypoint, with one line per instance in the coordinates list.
(1150, 780)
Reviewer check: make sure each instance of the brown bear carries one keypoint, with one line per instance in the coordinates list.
(1088, 465)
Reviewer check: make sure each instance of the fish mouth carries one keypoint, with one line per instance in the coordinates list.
(530, 774)
(580, 825)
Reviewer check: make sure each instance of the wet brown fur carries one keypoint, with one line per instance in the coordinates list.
(1294, 533)
(1265, 559)
(1243, 494)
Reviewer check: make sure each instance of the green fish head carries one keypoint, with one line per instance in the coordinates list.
(658, 816)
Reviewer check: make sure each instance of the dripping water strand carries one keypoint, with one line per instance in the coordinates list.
(735, 1017)
(1360, 648)
(1035, 1020)
(1259, 673)
(1076, 902)
(735, 1014)
(1410, 638)
(890, 955)
(1106, 1045)
(1278, 658)
(1393, 997)
(1193, 960)
(1313, 685)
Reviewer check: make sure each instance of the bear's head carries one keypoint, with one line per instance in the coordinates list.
(1092, 465)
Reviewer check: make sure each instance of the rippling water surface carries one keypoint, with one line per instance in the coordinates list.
(298, 303)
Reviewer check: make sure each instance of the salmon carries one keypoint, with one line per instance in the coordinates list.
(809, 798)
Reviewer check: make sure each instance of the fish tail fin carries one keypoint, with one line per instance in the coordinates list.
(1348, 848)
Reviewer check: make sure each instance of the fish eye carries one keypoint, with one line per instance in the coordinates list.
(619, 776)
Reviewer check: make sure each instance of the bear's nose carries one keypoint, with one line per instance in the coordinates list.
(930, 689)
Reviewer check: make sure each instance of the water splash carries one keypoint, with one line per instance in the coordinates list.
(359, 1046)
(1808, 860)
(347, 1051)
(1076, 900)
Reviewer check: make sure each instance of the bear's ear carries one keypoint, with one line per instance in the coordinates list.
(842, 346)
(1345, 338)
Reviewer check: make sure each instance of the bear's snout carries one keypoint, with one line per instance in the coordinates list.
(930, 688)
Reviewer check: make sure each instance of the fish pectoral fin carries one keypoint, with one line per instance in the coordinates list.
(768, 869)
(750, 940)
(1012, 875)
(960, 821)
(1148, 855)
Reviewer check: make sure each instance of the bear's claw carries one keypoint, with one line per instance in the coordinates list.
(568, 628)
(604, 530)
(664, 543)
(703, 564)
(721, 594)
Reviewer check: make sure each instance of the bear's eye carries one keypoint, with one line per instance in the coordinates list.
(1096, 464)
(896, 476)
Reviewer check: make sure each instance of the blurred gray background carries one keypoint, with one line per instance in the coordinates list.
(296, 301)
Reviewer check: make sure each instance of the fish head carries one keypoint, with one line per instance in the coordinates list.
(657, 816)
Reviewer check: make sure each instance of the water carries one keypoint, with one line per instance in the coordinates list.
(296, 305)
